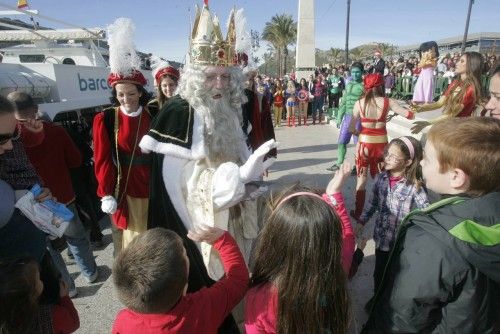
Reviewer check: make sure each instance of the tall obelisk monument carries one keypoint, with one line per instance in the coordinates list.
(305, 58)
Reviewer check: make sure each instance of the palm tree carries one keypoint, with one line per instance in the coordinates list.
(387, 49)
(357, 53)
(267, 57)
(335, 54)
(281, 32)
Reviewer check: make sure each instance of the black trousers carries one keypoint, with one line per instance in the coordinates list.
(333, 100)
(381, 259)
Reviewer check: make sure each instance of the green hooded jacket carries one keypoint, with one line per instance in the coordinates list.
(443, 275)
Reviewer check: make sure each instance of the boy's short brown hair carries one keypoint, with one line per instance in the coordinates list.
(6, 106)
(472, 145)
(151, 273)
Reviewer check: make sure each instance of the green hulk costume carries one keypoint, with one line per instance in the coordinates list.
(352, 93)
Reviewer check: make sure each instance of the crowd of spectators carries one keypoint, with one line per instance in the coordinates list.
(36, 298)
(395, 67)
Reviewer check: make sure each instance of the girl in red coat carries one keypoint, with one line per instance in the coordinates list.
(302, 255)
(20, 311)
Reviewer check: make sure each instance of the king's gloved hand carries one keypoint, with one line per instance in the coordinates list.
(108, 204)
(255, 166)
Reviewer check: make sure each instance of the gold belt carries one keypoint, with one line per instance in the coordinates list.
(364, 138)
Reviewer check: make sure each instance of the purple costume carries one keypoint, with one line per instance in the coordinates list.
(345, 134)
(424, 88)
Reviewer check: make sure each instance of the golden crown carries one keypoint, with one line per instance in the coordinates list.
(208, 47)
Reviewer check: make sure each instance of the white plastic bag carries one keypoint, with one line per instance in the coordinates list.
(42, 216)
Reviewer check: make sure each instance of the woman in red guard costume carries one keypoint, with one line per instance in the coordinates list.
(122, 170)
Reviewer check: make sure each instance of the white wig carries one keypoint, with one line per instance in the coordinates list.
(222, 118)
(192, 82)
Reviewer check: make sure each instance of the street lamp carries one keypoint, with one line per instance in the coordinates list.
(467, 25)
(347, 33)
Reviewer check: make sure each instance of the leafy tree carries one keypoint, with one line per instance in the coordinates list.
(334, 55)
(281, 32)
(387, 49)
(357, 53)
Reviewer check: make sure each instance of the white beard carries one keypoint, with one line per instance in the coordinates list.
(223, 134)
(224, 138)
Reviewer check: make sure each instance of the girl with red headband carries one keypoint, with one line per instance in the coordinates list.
(372, 109)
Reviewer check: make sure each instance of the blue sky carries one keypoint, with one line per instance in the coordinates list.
(163, 25)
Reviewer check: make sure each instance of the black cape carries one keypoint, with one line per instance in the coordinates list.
(174, 125)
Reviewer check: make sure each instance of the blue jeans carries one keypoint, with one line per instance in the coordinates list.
(61, 266)
(79, 244)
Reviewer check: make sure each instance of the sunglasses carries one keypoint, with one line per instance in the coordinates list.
(5, 138)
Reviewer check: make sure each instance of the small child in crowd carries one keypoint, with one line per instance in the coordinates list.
(443, 275)
(396, 191)
(302, 258)
(151, 277)
(20, 310)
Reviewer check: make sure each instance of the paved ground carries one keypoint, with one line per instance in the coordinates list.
(303, 155)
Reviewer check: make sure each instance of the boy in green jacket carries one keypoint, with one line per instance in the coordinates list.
(443, 275)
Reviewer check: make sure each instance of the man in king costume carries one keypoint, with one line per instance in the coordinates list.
(202, 171)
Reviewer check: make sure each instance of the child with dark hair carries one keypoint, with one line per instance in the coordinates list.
(396, 191)
(302, 257)
(151, 277)
(20, 311)
(443, 275)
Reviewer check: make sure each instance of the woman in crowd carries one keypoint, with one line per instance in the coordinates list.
(166, 80)
(424, 87)
(278, 99)
(291, 102)
(493, 105)
(303, 97)
(462, 96)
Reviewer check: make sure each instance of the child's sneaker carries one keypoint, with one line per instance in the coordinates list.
(92, 278)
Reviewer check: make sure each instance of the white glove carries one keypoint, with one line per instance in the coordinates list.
(108, 204)
(259, 192)
(255, 166)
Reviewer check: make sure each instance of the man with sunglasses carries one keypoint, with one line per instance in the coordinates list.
(18, 236)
